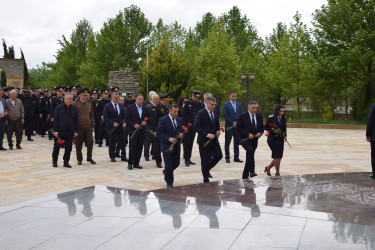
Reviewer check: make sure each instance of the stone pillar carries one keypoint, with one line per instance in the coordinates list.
(125, 79)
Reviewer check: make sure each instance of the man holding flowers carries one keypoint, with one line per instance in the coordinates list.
(170, 133)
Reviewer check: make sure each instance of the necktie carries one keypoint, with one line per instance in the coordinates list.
(174, 123)
(116, 108)
(253, 121)
(280, 120)
(212, 117)
(234, 107)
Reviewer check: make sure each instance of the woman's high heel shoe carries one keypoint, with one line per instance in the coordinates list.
(265, 170)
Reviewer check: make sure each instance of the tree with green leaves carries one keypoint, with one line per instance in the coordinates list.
(217, 65)
(8, 53)
(71, 55)
(345, 34)
(25, 70)
(38, 77)
(168, 72)
(122, 42)
(290, 73)
(174, 33)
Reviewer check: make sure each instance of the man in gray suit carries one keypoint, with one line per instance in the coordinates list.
(3, 113)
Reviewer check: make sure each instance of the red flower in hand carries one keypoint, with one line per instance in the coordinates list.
(22, 130)
(74, 142)
(185, 129)
(268, 132)
(146, 118)
(9, 112)
(222, 129)
(189, 124)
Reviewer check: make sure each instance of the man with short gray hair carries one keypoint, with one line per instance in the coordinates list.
(15, 119)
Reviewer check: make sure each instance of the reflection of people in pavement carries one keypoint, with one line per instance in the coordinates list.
(174, 208)
(274, 196)
(84, 196)
(209, 206)
(117, 199)
(138, 199)
(248, 198)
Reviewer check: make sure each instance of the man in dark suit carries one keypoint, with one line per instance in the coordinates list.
(231, 111)
(251, 128)
(114, 117)
(168, 130)
(65, 127)
(136, 118)
(370, 137)
(3, 113)
(208, 128)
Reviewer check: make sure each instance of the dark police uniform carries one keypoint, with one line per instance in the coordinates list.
(42, 114)
(29, 107)
(158, 112)
(97, 116)
(189, 111)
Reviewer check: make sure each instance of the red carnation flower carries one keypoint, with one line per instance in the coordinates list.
(146, 118)
(189, 124)
(222, 129)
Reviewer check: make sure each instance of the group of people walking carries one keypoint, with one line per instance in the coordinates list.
(73, 114)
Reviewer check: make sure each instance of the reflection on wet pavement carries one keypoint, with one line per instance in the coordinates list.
(328, 211)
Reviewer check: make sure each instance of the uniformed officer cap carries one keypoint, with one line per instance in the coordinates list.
(95, 91)
(78, 86)
(166, 96)
(84, 91)
(46, 90)
(129, 93)
(41, 93)
(73, 88)
(115, 89)
(105, 91)
(59, 88)
(67, 88)
(196, 93)
(6, 88)
(26, 92)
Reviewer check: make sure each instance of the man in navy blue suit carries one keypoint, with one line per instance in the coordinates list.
(114, 117)
(208, 128)
(168, 130)
(231, 111)
(137, 117)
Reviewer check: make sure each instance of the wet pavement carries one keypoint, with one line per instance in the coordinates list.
(321, 211)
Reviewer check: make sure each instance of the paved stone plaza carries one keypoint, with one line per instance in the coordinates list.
(28, 173)
(323, 200)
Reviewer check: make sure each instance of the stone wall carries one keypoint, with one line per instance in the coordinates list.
(13, 69)
(125, 79)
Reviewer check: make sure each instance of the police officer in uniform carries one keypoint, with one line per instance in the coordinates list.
(102, 132)
(189, 110)
(161, 109)
(29, 107)
(95, 107)
(41, 113)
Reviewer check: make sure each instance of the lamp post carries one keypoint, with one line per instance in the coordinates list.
(243, 77)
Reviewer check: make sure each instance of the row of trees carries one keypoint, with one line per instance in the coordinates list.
(330, 65)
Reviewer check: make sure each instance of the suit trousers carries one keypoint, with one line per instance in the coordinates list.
(210, 156)
(149, 140)
(188, 143)
(14, 126)
(102, 133)
(171, 161)
(84, 135)
(68, 148)
(250, 146)
(135, 147)
(2, 131)
(229, 134)
(373, 156)
(157, 153)
(29, 125)
(41, 125)
(116, 138)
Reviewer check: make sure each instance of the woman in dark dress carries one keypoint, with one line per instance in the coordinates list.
(276, 127)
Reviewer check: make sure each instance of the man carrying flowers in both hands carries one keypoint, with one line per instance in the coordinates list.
(65, 127)
(207, 125)
(170, 132)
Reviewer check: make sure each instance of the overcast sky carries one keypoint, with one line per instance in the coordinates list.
(35, 26)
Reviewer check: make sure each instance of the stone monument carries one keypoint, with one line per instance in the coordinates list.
(125, 79)
(14, 71)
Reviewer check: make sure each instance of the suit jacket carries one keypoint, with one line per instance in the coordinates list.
(370, 130)
(272, 135)
(166, 130)
(2, 100)
(244, 126)
(111, 116)
(229, 114)
(61, 121)
(204, 126)
(132, 117)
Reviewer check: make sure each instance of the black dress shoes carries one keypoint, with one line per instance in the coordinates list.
(18, 147)
(227, 160)
(265, 170)
(67, 165)
(187, 164)
(169, 186)
(147, 159)
(29, 139)
(10, 147)
(100, 145)
(2, 148)
(206, 180)
(54, 164)
(92, 161)
(137, 166)
(79, 162)
(209, 175)
(372, 176)
(253, 174)
(191, 163)
(130, 167)
(118, 155)
(159, 165)
(237, 160)
(113, 160)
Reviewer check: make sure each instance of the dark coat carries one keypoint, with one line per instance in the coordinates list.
(244, 126)
(132, 117)
(65, 121)
(166, 130)
(111, 116)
